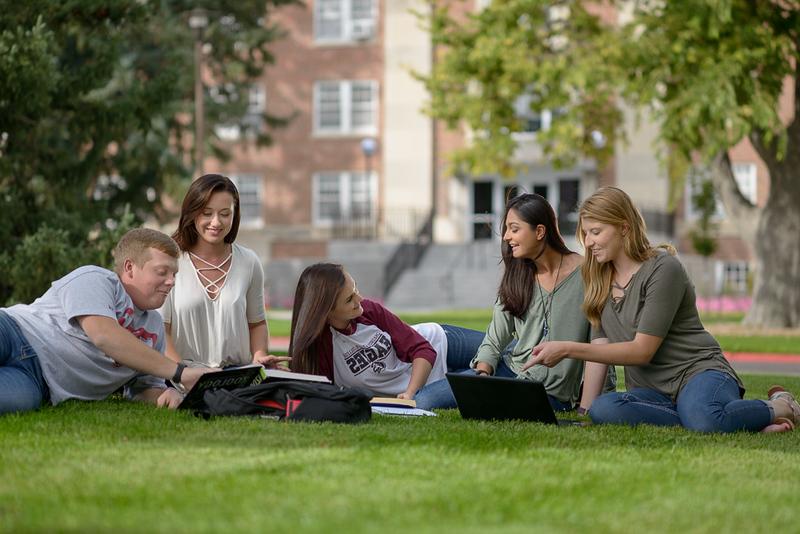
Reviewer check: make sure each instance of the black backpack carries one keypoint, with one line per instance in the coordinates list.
(292, 400)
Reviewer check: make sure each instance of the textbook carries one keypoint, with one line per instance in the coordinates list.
(393, 402)
(270, 375)
(395, 406)
(239, 377)
(230, 378)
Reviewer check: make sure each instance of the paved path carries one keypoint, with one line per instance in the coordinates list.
(746, 362)
(765, 363)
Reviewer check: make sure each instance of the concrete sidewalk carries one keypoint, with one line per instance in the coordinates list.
(745, 362)
(765, 363)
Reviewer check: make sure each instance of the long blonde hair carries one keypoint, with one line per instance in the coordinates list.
(611, 205)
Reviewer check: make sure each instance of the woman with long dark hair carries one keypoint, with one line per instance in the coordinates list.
(539, 299)
(356, 342)
(641, 304)
(215, 313)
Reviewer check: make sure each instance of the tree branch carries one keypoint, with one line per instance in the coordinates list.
(737, 207)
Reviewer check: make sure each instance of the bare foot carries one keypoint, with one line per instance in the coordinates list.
(780, 425)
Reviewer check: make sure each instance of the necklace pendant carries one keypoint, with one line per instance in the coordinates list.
(545, 330)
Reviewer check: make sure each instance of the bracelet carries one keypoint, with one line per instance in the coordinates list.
(176, 378)
(581, 410)
(482, 372)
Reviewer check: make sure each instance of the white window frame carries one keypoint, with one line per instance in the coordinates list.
(239, 180)
(351, 29)
(346, 107)
(734, 276)
(345, 197)
(746, 175)
(692, 183)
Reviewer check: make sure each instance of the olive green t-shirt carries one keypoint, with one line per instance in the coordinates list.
(567, 323)
(660, 301)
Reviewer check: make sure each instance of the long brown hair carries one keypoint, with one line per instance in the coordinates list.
(611, 205)
(194, 202)
(314, 298)
(519, 277)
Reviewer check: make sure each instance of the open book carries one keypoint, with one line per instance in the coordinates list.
(270, 375)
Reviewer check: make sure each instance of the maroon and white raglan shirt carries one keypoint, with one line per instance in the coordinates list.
(376, 351)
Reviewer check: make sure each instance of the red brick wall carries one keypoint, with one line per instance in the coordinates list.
(298, 249)
(289, 164)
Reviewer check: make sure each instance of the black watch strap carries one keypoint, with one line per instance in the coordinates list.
(176, 378)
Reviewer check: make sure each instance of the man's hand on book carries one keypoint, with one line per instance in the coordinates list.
(170, 398)
(191, 375)
(270, 361)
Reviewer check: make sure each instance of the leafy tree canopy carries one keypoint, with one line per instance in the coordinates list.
(710, 72)
(95, 115)
(556, 54)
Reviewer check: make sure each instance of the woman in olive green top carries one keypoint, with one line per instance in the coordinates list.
(539, 299)
(641, 304)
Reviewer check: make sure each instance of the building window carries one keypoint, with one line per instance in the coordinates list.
(343, 196)
(747, 179)
(346, 107)
(344, 20)
(249, 186)
(735, 277)
(694, 187)
(531, 121)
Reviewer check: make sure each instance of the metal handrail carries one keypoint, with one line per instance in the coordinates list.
(407, 255)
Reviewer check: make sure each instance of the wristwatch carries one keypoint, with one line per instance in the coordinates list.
(176, 378)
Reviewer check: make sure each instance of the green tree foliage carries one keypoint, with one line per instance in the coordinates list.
(555, 52)
(715, 72)
(96, 118)
(710, 72)
(704, 233)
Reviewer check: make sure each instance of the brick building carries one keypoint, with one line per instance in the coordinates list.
(360, 169)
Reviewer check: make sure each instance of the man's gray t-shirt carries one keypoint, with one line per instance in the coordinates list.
(73, 367)
(660, 301)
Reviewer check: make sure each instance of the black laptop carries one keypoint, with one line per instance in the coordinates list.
(491, 397)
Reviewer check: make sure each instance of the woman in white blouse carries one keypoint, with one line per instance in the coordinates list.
(215, 313)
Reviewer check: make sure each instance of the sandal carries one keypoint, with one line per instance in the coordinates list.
(776, 393)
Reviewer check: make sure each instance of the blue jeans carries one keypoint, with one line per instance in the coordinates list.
(462, 345)
(709, 402)
(22, 386)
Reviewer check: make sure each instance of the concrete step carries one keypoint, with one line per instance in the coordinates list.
(426, 290)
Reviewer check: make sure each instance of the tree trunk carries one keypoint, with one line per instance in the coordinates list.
(776, 296)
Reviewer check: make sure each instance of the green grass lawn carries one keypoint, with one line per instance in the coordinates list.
(118, 466)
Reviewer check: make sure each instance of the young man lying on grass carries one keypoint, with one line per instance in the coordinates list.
(95, 331)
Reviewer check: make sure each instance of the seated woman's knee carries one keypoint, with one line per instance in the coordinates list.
(605, 409)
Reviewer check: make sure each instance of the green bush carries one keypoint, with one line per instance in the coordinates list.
(50, 253)
(41, 258)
